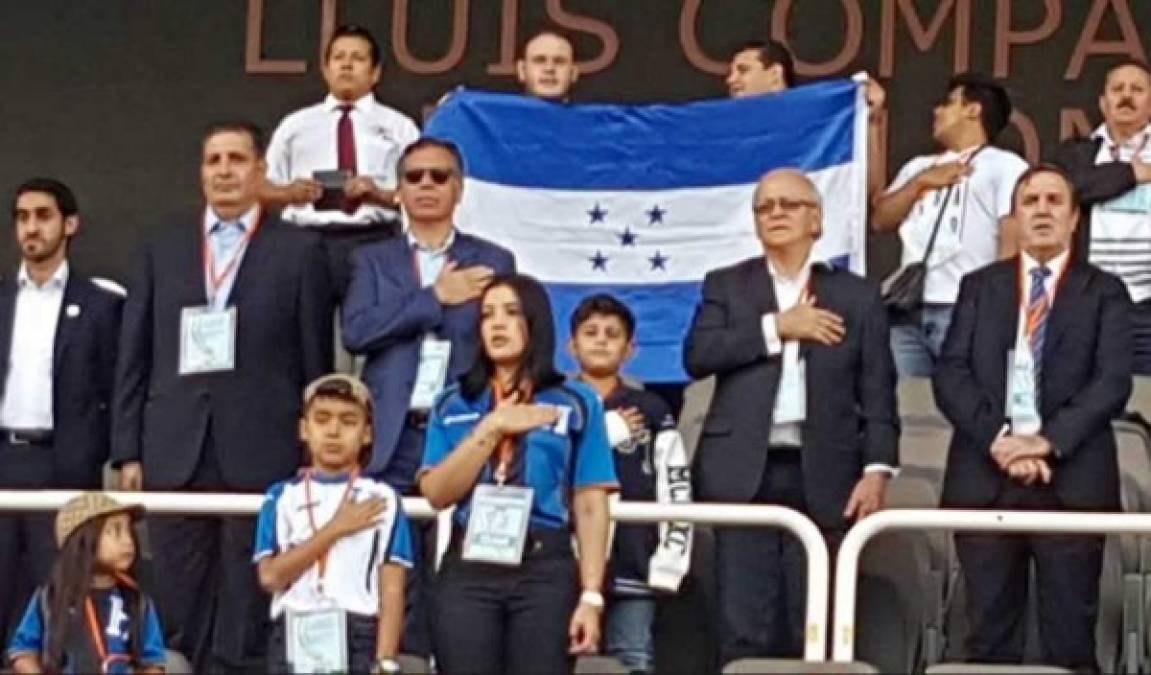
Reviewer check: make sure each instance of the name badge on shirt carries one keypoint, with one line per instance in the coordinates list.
(317, 641)
(432, 372)
(1135, 200)
(207, 340)
(1022, 398)
(791, 399)
(498, 524)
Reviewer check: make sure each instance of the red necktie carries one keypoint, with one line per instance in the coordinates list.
(346, 141)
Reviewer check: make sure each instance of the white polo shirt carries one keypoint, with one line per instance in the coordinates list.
(351, 579)
(306, 141)
(969, 232)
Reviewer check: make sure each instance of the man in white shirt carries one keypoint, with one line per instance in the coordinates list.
(803, 414)
(58, 335)
(548, 69)
(332, 165)
(961, 195)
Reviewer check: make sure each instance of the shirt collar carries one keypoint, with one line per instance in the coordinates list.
(959, 155)
(416, 245)
(362, 104)
(799, 279)
(59, 277)
(1102, 133)
(1056, 264)
(247, 221)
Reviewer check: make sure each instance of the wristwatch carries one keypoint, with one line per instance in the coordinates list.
(386, 667)
(592, 598)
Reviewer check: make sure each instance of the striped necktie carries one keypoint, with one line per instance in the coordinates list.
(1038, 308)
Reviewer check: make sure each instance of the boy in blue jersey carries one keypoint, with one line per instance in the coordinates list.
(334, 546)
(651, 464)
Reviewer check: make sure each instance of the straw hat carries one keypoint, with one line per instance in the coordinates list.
(87, 506)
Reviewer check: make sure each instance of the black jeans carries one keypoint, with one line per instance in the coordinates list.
(362, 631)
(492, 619)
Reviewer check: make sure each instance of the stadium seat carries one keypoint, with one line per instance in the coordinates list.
(177, 664)
(596, 665)
(993, 669)
(750, 666)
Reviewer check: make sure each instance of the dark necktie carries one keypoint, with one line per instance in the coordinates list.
(1038, 308)
(346, 141)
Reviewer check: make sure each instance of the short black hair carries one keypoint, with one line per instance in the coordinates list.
(1127, 63)
(603, 304)
(65, 199)
(352, 30)
(772, 52)
(992, 98)
(537, 367)
(523, 51)
(1038, 169)
(238, 127)
(431, 142)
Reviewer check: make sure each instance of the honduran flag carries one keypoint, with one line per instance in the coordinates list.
(642, 201)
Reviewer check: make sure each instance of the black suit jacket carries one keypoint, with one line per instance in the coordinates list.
(1095, 182)
(284, 340)
(83, 372)
(1085, 382)
(851, 411)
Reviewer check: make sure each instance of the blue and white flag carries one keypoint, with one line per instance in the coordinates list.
(642, 201)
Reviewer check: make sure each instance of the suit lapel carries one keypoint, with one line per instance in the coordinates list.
(1067, 295)
(463, 251)
(1003, 310)
(760, 287)
(259, 248)
(67, 321)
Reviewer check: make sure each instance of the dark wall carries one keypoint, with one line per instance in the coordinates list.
(111, 95)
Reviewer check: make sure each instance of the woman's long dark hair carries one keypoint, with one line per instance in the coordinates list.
(537, 367)
(66, 592)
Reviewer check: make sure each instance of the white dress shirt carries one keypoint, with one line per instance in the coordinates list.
(307, 140)
(790, 291)
(430, 261)
(27, 402)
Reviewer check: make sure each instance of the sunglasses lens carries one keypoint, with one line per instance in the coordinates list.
(440, 176)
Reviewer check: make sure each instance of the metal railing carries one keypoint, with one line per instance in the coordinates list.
(745, 515)
(1034, 522)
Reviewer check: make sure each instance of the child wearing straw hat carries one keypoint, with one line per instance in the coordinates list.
(91, 617)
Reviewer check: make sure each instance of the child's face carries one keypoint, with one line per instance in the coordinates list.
(335, 432)
(117, 549)
(601, 345)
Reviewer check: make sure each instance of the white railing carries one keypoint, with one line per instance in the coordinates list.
(818, 566)
(1036, 522)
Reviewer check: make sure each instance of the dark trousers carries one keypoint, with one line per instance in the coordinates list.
(204, 583)
(27, 540)
(492, 619)
(761, 572)
(996, 573)
(341, 240)
(362, 632)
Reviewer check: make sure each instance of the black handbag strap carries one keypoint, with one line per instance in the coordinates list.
(943, 210)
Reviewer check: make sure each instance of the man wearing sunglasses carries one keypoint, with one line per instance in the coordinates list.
(824, 442)
(411, 310)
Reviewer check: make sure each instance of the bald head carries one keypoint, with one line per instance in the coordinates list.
(788, 210)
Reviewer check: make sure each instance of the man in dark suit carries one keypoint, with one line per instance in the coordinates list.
(228, 318)
(1056, 330)
(412, 310)
(58, 334)
(412, 305)
(803, 414)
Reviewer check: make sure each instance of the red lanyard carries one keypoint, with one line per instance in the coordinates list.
(322, 561)
(98, 641)
(507, 447)
(216, 280)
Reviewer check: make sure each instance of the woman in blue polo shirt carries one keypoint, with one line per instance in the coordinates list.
(523, 454)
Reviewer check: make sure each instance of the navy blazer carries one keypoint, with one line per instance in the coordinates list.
(851, 412)
(1084, 385)
(386, 315)
(283, 299)
(83, 370)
